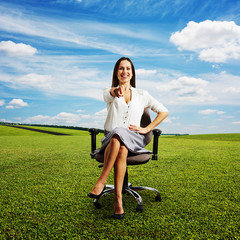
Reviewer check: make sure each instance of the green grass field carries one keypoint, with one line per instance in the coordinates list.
(44, 181)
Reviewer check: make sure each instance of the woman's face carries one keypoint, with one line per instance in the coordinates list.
(124, 73)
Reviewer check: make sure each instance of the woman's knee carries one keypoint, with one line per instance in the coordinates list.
(123, 151)
(115, 139)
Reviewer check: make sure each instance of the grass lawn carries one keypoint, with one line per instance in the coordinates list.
(44, 181)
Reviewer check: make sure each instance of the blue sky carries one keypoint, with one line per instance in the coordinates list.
(56, 56)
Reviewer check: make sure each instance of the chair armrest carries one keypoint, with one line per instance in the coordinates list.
(156, 133)
(94, 132)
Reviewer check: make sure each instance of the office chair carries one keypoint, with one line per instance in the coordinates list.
(132, 159)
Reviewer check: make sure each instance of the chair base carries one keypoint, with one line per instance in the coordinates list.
(128, 188)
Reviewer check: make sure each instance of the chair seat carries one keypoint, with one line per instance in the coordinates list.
(132, 159)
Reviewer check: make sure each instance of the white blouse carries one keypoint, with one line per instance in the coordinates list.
(121, 114)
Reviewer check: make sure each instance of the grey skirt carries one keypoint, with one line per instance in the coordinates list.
(133, 141)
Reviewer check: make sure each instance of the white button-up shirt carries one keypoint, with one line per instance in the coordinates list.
(121, 114)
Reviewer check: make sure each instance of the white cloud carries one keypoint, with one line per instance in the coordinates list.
(5, 120)
(66, 118)
(67, 81)
(100, 115)
(186, 90)
(2, 102)
(232, 90)
(39, 119)
(214, 41)
(224, 87)
(144, 72)
(86, 116)
(16, 103)
(175, 88)
(80, 111)
(10, 107)
(210, 111)
(17, 49)
(169, 119)
(36, 80)
(220, 112)
(62, 118)
(236, 123)
(98, 119)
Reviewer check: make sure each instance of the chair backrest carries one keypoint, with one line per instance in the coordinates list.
(146, 120)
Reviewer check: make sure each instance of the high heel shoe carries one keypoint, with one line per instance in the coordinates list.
(118, 216)
(118, 209)
(92, 195)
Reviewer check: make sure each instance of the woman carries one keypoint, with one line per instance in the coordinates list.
(125, 105)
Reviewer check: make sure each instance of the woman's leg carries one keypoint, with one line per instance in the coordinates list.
(119, 173)
(110, 156)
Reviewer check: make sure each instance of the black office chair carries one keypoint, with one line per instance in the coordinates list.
(132, 159)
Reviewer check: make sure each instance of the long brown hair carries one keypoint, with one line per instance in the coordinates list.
(115, 81)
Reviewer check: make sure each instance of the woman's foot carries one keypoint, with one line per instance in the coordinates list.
(97, 190)
(118, 207)
(118, 216)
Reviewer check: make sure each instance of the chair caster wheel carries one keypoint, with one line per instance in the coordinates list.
(139, 208)
(98, 205)
(158, 198)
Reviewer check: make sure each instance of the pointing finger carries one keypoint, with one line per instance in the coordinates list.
(120, 91)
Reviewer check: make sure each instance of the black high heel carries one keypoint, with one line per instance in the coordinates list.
(92, 195)
(118, 216)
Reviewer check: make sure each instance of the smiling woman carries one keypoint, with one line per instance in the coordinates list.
(125, 73)
(122, 76)
(125, 105)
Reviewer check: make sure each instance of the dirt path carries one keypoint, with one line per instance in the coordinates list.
(38, 130)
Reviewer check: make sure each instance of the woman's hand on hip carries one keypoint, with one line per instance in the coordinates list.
(138, 129)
